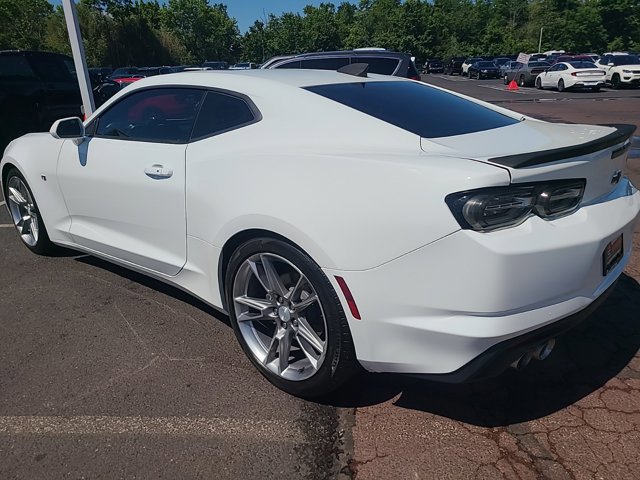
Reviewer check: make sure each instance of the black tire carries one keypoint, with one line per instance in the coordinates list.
(561, 86)
(538, 83)
(615, 81)
(340, 363)
(521, 82)
(595, 89)
(43, 245)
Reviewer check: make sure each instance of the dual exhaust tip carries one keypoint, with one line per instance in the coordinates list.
(541, 352)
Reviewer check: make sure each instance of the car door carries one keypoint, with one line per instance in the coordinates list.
(124, 186)
(551, 78)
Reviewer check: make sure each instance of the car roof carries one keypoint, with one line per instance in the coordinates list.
(358, 52)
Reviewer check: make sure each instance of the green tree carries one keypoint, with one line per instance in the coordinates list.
(23, 23)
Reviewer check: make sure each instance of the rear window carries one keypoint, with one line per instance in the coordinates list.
(415, 107)
(486, 64)
(582, 64)
(380, 65)
(330, 63)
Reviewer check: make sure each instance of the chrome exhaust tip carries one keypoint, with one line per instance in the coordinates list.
(544, 350)
(523, 361)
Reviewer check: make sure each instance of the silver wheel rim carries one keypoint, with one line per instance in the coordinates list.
(23, 211)
(280, 316)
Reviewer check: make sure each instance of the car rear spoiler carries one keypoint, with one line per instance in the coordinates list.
(622, 132)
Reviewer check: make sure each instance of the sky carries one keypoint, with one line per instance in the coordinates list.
(248, 11)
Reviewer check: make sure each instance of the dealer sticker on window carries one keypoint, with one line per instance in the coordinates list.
(612, 254)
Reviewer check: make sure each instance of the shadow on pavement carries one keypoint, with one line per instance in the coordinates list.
(156, 285)
(583, 361)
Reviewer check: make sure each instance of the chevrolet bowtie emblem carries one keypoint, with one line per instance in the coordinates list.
(616, 177)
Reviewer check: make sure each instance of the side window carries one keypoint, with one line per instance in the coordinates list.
(51, 68)
(164, 115)
(294, 64)
(221, 113)
(15, 66)
(383, 66)
(325, 63)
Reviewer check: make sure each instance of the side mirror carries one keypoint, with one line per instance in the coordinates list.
(71, 127)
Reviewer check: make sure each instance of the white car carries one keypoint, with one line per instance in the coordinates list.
(573, 74)
(468, 62)
(621, 69)
(335, 222)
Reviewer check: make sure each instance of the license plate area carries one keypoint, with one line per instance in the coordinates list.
(612, 254)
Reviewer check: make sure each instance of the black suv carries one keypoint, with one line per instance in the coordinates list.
(36, 88)
(380, 61)
(453, 65)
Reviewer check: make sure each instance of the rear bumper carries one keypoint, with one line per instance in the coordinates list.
(439, 309)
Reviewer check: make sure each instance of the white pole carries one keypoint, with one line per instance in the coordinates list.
(540, 42)
(75, 38)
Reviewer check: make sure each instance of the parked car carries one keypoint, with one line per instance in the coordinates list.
(124, 81)
(380, 61)
(243, 66)
(453, 65)
(500, 61)
(521, 242)
(433, 66)
(36, 88)
(483, 69)
(573, 74)
(103, 87)
(215, 65)
(525, 75)
(510, 65)
(621, 70)
(468, 62)
(124, 72)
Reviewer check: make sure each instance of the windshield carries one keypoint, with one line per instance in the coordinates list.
(415, 107)
(486, 64)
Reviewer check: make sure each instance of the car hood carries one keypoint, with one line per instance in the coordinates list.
(533, 150)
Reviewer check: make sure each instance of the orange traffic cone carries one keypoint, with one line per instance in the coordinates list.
(512, 85)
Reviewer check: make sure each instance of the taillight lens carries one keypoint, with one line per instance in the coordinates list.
(493, 208)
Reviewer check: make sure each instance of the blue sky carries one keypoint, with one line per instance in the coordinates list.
(248, 11)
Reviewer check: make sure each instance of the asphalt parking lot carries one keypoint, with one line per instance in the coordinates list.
(107, 374)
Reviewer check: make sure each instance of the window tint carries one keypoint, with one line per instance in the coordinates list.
(382, 66)
(51, 68)
(15, 66)
(325, 63)
(220, 113)
(163, 115)
(294, 64)
(415, 107)
(582, 64)
(626, 60)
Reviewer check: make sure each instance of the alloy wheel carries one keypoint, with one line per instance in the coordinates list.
(280, 316)
(23, 211)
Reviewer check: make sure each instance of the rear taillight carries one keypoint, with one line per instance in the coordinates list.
(493, 208)
(414, 77)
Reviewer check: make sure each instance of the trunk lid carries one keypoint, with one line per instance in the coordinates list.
(533, 151)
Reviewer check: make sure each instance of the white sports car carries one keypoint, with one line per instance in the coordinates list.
(335, 221)
(578, 73)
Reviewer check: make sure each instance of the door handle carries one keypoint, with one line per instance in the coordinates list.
(158, 171)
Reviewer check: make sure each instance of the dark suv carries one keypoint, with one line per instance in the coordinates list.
(36, 88)
(380, 61)
(453, 65)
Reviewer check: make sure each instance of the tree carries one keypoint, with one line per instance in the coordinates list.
(23, 23)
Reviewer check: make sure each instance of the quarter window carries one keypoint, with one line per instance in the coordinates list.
(220, 113)
(164, 115)
(382, 66)
(325, 63)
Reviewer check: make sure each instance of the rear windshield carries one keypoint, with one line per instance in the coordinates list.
(538, 64)
(582, 64)
(415, 107)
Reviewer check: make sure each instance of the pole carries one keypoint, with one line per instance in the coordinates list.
(540, 42)
(80, 61)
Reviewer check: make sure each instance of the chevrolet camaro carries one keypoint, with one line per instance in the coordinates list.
(341, 219)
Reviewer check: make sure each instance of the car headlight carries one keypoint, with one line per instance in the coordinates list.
(488, 209)
(483, 71)
(626, 71)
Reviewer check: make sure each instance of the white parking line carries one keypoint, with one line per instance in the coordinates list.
(173, 426)
(2, 203)
(7, 225)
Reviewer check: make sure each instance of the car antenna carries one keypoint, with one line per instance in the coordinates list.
(355, 69)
